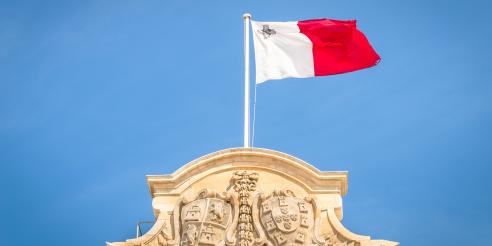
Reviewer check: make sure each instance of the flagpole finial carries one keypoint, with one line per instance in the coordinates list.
(247, 15)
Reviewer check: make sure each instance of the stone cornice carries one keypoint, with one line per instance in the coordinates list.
(298, 171)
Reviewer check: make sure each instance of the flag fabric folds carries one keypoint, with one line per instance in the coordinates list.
(302, 49)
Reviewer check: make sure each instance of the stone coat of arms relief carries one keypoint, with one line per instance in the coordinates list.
(249, 197)
(288, 219)
(204, 220)
(244, 218)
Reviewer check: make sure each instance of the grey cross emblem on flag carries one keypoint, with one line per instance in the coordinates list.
(267, 32)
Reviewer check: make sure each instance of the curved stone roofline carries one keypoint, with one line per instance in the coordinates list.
(254, 184)
(291, 167)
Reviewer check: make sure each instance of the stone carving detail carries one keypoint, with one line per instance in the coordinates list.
(205, 219)
(332, 239)
(289, 219)
(244, 185)
(246, 210)
(241, 217)
(189, 235)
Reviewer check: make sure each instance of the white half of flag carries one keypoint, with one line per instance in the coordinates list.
(281, 51)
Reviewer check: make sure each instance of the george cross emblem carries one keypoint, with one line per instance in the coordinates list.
(267, 32)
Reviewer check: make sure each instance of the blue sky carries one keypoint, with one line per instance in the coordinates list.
(94, 95)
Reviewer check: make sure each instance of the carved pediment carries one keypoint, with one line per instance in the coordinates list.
(246, 197)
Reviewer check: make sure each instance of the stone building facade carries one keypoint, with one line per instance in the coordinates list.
(246, 197)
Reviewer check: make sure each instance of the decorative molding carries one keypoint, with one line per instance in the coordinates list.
(293, 168)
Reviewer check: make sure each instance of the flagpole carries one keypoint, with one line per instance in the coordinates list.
(246, 18)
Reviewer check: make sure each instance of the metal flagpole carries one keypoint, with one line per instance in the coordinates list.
(246, 18)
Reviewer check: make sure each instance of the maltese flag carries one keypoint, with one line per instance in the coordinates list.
(302, 49)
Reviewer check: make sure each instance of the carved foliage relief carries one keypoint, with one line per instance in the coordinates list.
(244, 185)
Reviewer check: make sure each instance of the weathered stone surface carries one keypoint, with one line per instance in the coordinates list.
(249, 196)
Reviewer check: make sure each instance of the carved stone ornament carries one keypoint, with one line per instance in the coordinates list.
(203, 221)
(289, 219)
(244, 185)
(249, 197)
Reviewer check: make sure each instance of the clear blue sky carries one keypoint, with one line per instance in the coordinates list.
(94, 95)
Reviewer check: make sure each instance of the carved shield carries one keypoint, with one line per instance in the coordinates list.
(204, 221)
(287, 219)
(285, 213)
